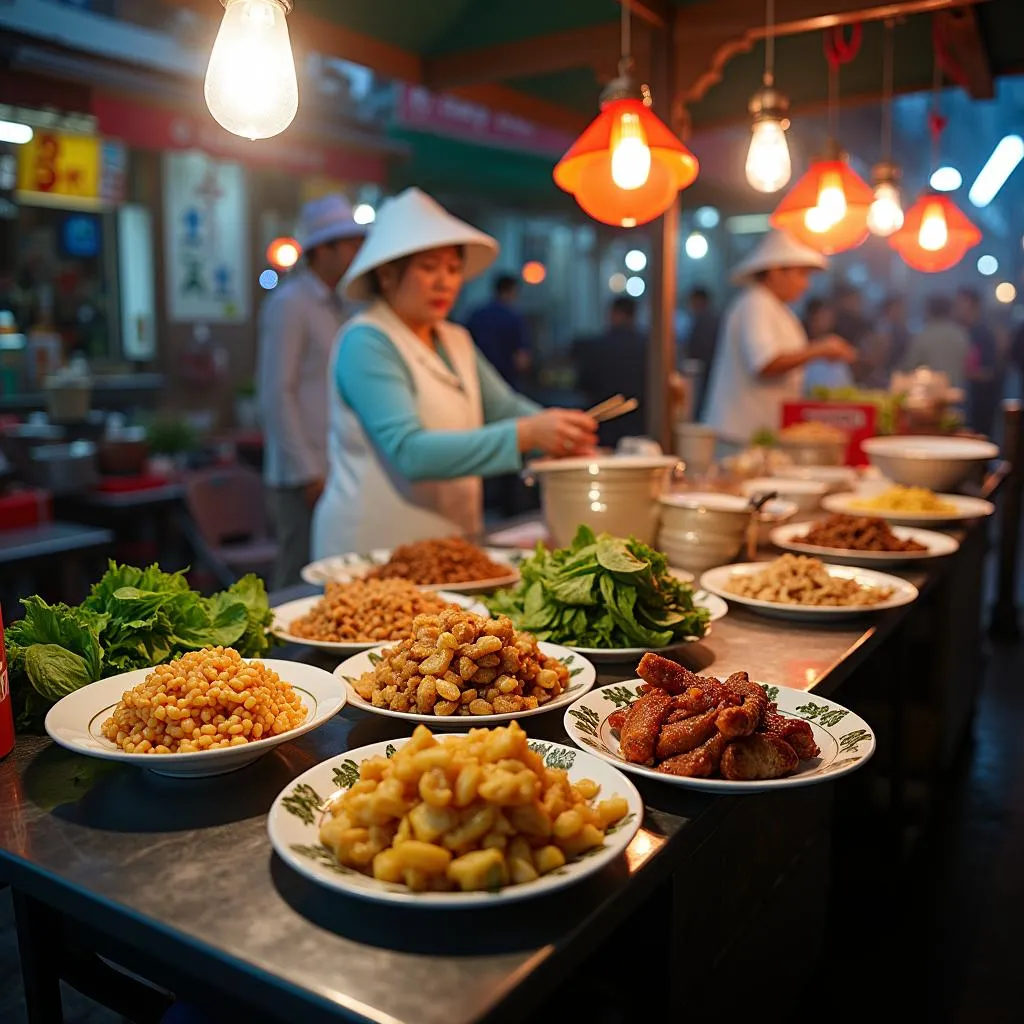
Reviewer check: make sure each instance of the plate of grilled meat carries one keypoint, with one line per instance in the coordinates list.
(721, 736)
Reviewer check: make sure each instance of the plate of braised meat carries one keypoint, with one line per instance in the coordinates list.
(723, 736)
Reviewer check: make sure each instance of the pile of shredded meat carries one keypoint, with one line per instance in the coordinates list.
(698, 726)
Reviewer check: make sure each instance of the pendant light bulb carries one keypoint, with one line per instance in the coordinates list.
(251, 88)
(886, 213)
(631, 156)
(934, 232)
(832, 198)
(768, 167)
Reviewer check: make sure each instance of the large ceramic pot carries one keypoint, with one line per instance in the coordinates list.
(614, 494)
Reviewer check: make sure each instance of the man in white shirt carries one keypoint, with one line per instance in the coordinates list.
(298, 325)
(763, 347)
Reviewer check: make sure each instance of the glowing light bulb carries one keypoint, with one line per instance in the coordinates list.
(631, 156)
(818, 220)
(886, 213)
(768, 164)
(831, 197)
(934, 232)
(251, 88)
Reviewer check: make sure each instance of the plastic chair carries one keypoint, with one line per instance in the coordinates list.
(229, 525)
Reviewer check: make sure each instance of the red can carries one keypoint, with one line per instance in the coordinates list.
(6, 709)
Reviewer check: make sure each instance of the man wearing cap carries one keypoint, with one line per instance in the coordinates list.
(298, 325)
(763, 347)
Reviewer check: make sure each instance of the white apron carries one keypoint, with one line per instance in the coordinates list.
(366, 504)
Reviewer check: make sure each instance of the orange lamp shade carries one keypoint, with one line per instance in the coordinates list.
(627, 167)
(283, 253)
(827, 208)
(935, 235)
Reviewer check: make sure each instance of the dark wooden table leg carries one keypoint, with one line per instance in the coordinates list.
(40, 939)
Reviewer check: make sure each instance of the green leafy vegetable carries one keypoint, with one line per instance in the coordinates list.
(133, 618)
(601, 592)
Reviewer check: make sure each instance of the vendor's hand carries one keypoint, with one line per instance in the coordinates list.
(835, 349)
(558, 432)
(313, 490)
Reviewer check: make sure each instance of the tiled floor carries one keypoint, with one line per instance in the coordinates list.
(939, 942)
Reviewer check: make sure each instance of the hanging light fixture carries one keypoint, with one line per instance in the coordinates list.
(886, 213)
(827, 208)
(627, 167)
(936, 233)
(768, 166)
(251, 88)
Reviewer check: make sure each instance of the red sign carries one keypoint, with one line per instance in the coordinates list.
(422, 110)
(857, 421)
(163, 129)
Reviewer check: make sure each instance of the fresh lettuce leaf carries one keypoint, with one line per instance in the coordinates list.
(55, 671)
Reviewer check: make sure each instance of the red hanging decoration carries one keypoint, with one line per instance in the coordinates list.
(590, 168)
(936, 234)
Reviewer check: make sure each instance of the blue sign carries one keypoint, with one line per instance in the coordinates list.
(80, 235)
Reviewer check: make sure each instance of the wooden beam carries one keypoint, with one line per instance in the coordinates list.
(708, 35)
(654, 12)
(530, 108)
(960, 33)
(310, 33)
(595, 46)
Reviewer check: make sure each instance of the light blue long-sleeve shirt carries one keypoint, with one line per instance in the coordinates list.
(373, 379)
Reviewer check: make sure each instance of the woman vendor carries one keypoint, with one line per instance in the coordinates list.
(418, 415)
(762, 346)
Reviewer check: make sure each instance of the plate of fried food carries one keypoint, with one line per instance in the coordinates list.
(457, 669)
(801, 587)
(444, 563)
(732, 736)
(205, 713)
(363, 613)
(909, 506)
(460, 820)
(862, 540)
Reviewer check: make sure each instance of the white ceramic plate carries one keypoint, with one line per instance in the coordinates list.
(966, 508)
(582, 676)
(342, 568)
(789, 538)
(845, 739)
(75, 722)
(294, 828)
(605, 655)
(286, 614)
(715, 580)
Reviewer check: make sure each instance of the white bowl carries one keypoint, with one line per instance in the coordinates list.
(805, 494)
(700, 530)
(836, 478)
(938, 463)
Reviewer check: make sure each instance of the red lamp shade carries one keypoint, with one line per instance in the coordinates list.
(627, 166)
(935, 235)
(827, 208)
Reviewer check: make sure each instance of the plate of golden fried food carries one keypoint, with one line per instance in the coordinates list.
(459, 820)
(909, 506)
(443, 563)
(205, 713)
(862, 540)
(360, 614)
(720, 736)
(458, 669)
(801, 587)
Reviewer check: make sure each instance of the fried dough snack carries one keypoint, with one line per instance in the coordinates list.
(696, 726)
(444, 560)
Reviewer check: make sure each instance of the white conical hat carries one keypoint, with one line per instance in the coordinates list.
(777, 249)
(413, 222)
